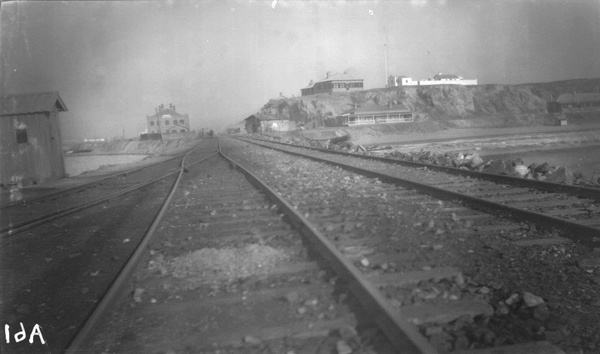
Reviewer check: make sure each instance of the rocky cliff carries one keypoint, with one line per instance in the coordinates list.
(449, 104)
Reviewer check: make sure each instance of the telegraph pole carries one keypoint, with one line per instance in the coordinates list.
(385, 55)
(428, 67)
(386, 66)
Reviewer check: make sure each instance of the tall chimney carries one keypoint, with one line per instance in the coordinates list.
(328, 73)
(173, 108)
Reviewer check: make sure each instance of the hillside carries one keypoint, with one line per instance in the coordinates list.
(446, 106)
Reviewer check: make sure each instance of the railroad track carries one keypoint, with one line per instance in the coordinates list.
(54, 269)
(38, 209)
(379, 221)
(573, 209)
(227, 272)
(383, 241)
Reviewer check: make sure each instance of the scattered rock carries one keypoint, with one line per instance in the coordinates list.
(541, 312)
(342, 347)
(512, 299)
(502, 309)
(292, 297)
(532, 300)
(137, 294)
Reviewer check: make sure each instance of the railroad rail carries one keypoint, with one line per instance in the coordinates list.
(459, 220)
(383, 290)
(54, 271)
(227, 270)
(572, 209)
(22, 215)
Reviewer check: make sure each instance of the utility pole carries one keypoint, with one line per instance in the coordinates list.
(428, 67)
(386, 66)
(385, 55)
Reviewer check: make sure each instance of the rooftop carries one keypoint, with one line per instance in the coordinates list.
(578, 97)
(28, 103)
(378, 109)
(266, 117)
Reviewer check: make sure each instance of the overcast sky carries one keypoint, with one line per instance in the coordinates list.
(220, 61)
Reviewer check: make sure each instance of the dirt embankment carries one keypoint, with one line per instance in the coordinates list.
(146, 147)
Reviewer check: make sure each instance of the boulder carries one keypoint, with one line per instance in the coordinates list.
(497, 167)
(424, 157)
(522, 170)
(471, 161)
(560, 175)
(443, 161)
(542, 169)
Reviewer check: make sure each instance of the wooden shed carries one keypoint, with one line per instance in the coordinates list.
(30, 138)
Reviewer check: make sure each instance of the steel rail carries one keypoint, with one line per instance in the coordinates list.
(586, 234)
(584, 192)
(83, 185)
(77, 345)
(404, 336)
(14, 229)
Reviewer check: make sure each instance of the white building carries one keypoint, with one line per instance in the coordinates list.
(439, 79)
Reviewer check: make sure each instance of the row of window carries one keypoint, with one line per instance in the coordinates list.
(170, 131)
(347, 85)
(380, 119)
(181, 121)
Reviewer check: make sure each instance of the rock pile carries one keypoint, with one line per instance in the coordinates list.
(471, 161)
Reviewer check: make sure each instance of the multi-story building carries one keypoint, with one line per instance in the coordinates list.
(333, 83)
(167, 120)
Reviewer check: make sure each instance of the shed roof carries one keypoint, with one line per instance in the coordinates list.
(578, 97)
(378, 109)
(266, 117)
(28, 103)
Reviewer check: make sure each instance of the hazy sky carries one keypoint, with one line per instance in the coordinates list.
(220, 61)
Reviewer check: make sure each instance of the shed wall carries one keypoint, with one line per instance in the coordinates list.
(38, 160)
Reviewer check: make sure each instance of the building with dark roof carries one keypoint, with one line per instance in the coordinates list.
(30, 138)
(569, 102)
(377, 114)
(266, 123)
(333, 83)
(167, 120)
